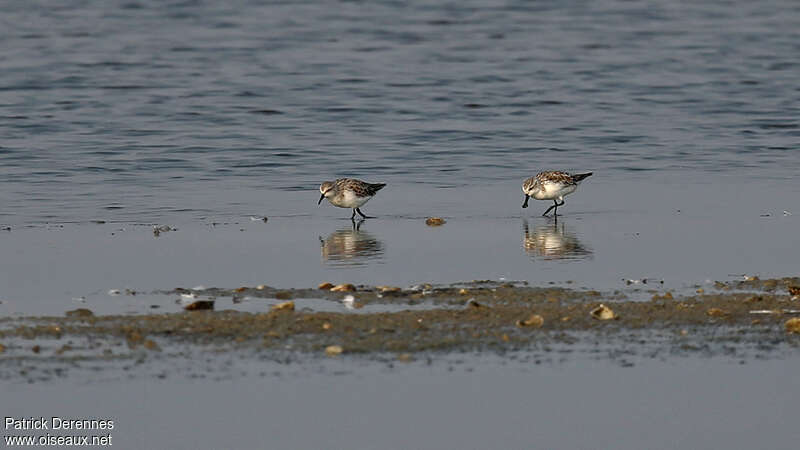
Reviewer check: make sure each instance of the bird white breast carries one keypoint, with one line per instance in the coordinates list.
(550, 191)
(348, 199)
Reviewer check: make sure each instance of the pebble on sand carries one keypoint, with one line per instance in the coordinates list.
(343, 288)
(334, 350)
(435, 221)
(534, 321)
(200, 305)
(603, 312)
(80, 312)
(285, 306)
(793, 325)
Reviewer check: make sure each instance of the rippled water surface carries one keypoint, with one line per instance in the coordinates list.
(208, 116)
(149, 110)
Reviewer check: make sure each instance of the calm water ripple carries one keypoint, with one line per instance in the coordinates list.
(131, 100)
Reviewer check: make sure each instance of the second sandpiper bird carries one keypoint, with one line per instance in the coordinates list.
(349, 193)
(551, 185)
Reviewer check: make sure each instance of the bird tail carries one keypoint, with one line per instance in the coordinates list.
(375, 187)
(580, 176)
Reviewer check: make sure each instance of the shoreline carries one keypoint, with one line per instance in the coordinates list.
(744, 320)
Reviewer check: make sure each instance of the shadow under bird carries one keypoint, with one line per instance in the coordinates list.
(551, 185)
(349, 193)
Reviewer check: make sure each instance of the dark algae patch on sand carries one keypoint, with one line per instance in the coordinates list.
(742, 320)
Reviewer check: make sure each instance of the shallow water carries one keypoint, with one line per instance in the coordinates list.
(201, 115)
(671, 233)
(455, 404)
(152, 111)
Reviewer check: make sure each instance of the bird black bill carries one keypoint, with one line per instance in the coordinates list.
(321, 197)
(525, 203)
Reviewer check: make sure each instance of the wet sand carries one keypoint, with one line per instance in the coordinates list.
(741, 320)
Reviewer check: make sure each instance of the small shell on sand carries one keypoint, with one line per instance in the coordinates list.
(285, 306)
(793, 325)
(333, 350)
(343, 288)
(603, 312)
(534, 321)
(200, 305)
(385, 289)
(435, 221)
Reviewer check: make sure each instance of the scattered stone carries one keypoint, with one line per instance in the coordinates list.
(200, 305)
(666, 296)
(36, 349)
(603, 312)
(463, 291)
(2, 348)
(114, 292)
(435, 221)
(157, 230)
(325, 286)
(388, 289)
(716, 312)
(794, 291)
(283, 295)
(534, 321)
(240, 289)
(334, 350)
(343, 288)
(80, 312)
(261, 287)
(405, 357)
(285, 306)
(793, 325)
(327, 326)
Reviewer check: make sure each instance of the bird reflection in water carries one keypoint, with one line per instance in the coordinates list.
(351, 246)
(553, 241)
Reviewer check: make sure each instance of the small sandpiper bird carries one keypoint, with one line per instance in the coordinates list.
(349, 193)
(551, 185)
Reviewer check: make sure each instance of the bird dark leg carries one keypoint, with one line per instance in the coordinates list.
(362, 214)
(555, 213)
(555, 205)
(353, 217)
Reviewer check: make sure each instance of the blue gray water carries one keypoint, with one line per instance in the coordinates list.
(200, 114)
(156, 111)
